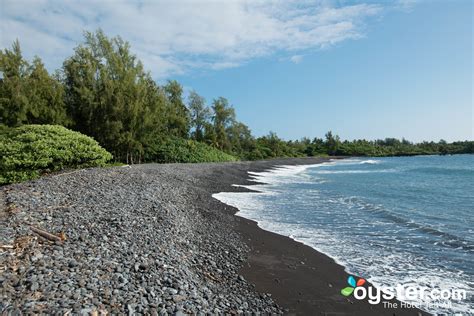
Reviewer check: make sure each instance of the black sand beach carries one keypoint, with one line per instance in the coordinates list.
(150, 239)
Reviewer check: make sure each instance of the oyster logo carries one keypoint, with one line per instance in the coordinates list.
(353, 285)
(410, 296)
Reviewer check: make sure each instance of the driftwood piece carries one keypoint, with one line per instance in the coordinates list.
(45, 234)
(210, 276)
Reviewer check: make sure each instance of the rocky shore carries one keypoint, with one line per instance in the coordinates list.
(149, 239)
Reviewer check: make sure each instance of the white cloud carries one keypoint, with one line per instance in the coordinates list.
(175, 37)
(406, 5)
(296, 59)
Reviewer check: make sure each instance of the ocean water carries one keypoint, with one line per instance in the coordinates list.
(400, 220)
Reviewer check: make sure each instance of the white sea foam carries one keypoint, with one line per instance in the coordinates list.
(355, 171)
(369, 162)
(283, 174)
(238, 185)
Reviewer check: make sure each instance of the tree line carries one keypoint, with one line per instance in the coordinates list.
(103, 91)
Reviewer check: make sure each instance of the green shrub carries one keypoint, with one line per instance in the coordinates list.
(170, 150)
(30, 150)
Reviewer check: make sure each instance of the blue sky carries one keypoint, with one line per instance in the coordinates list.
(370, 69)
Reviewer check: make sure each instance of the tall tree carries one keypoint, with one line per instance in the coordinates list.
(210, 136)
(199, 113)
(178, 114)
(223, 117)
(240, 138)
(28, 94)
(46, 97)
(154, 121)
(110, 96)
(275, 144)
(332, 143)
(13, 100)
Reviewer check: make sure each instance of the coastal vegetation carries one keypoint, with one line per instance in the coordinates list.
(184, 150)
(103, 91)
(29, 150)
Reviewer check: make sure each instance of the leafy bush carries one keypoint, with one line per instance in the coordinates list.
(181, 150)
(29, 150)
